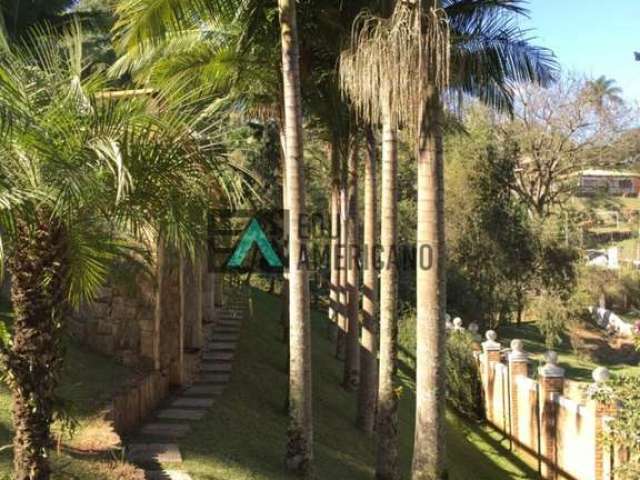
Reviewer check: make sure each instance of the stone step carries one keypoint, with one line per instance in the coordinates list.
(226, 325)
(185, 402)
(215, 378)
(225, 337)
(215, 367)
(166, 430)
(225, 329)
(229, 320)
(204, 390)
(146, 453)
(181, 414)
(166, 475)
(231, 337)
(224, 356)
(215, 346)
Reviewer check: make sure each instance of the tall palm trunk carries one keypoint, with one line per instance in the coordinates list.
(299, 453)
(351, 376)
(334, 286)
(429, 442)
(368, 389)
(284, 294)
(36, 354)
(387, 421)
(341, 342)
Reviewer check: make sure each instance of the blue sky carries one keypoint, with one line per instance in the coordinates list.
(594, 37)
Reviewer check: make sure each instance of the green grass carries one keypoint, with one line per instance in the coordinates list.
(606, 202)
(577, 368)
(88, 381)
(243, 437)
(628, 248)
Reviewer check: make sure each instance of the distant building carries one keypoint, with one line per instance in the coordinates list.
(608, 182)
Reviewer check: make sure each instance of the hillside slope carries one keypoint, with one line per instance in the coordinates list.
(243, 436)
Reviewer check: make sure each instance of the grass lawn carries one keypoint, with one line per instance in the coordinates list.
(87, 382)
(606, 202)
(577, 368)
(243, 436)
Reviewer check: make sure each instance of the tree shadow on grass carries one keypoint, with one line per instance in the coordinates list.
(487, 448)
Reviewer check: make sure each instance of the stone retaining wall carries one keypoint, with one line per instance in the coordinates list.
(120, 322)
(135, 402)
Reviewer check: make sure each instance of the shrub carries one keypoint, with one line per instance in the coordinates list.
(551, 314)
(464, 388)
(624, 390)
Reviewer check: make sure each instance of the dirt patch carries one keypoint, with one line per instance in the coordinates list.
(601, 348)
(94, 435)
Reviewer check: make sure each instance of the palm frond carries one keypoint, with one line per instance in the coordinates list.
(491, 53)
(463, 13)
(103, 167)
(148, 22)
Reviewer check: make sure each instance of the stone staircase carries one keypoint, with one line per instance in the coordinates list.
(156, 448)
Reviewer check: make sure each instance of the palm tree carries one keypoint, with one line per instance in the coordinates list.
(76, 168)
(342, 265)
(300, 433)
(429, 442)
(334, 276)
(603, 91)
(368, 388)
(351, 376)
(387, 458)
(375, 101)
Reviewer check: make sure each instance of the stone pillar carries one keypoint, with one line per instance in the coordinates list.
(157, 315)
(170, 356)
(518, 367)
(551, 386)
(218, 287)
(191, 302)
(491, 354)
(215, 294)
(207, 306)
(603, 411)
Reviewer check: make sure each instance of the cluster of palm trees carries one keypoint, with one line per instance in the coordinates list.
(80, 168)
(397, 73)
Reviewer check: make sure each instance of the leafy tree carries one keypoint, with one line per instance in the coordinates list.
(551, 315)
(555, 133)
(492, 245)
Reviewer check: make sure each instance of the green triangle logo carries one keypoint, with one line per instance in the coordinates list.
(254, 234)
